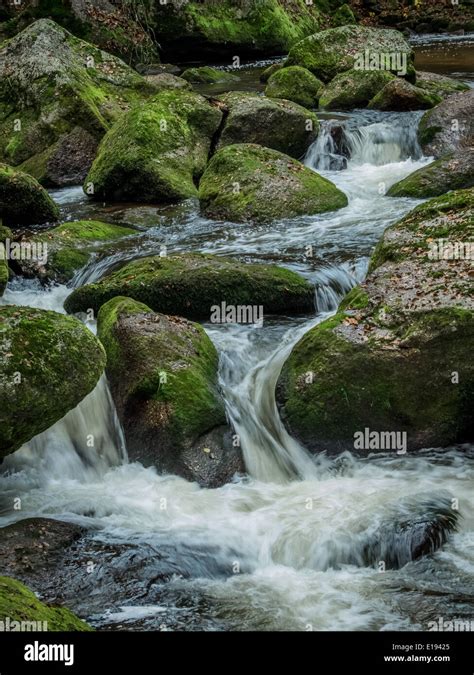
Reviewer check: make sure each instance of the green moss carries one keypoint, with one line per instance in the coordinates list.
(248, 182)
(295, 84)
(189, 285)
(401, 95)
(22, 199)
(269, 26)
(18, 603)
(439, 85)
(268, 72)
(357, 298)
(343, 16)
(208, 75)
(70, 246)
(4, 274)
(453, 172)
(187, 398)
(333, 51)
(275, 123)
(48, 364)
(156, 151)
(62, 93)
(353, 89)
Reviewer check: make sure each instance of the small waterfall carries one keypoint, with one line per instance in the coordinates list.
(82, 446)
(329, 150)
(270, 453)
(379, 143)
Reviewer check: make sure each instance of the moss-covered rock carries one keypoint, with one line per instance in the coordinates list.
(191, 284)
(264, 27)
(156, 151)
(449, 126)
(248, 182)
(266, 74)
(400, 95)
(295, 84)
(439, 85)
(275, 123)
(208, 75)
(48, 364)
(453, 172)
(69, 247)
(163, 376)
(330, 52)
(53, 85)
(343, 16)
(118, 28)
(396, 356)
(23, 201)
(168, 81)
(353, 89)
(19, 604)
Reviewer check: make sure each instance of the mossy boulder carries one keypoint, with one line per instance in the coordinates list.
(157, 151)
(69, 247)
(353, 89)
(453, 172)
(396, 356)
(274, 123)
(52, 85)
(113, 26)
(220, 28)
(247, 182)
(168, 81)
(343, 16)
(295, 84)
(332, 51)
(439, 85)
(19, 604)
(23, 201)
(48, 364)
(163, 376)
(208, 75)
(449, 126)
(400, 95)
(266, 74)
(191, 284)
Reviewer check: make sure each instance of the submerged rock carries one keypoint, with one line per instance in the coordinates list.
(400, 95)
(48, 364)
(393, 365)
(353, 89)
(163, 376)
(191, 285)
(332, 51)
(32, 547)
(449, 126)
(275, 123)
(22, 199)
(452, 172)
(295, 84)
(59, 93)
(208, 75)
(67, 248)
(248, 182)
(19, 604)
(157, 151)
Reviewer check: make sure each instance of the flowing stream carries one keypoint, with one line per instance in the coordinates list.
(277, 549)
